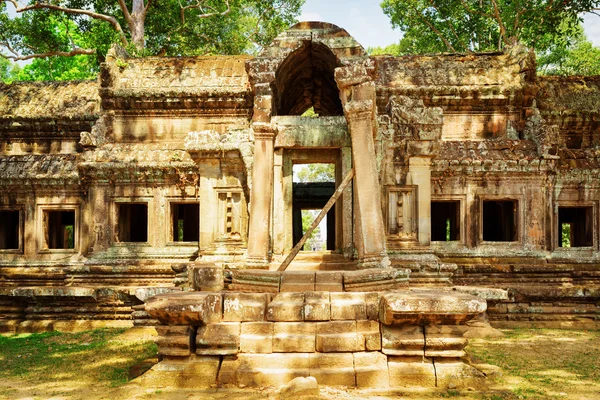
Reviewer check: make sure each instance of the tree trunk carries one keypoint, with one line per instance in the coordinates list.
(138, 18)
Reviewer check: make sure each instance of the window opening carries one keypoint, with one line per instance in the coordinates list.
(575, 227)
(9, 230)
(500, 220)
(445, 222)
(186, 222)
(59, 229)
(132, 222)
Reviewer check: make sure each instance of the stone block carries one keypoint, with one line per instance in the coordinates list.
(186, 308)
(297, 281)
(370, 334)
(207, 277)
(459, 374)
(445, 341)
(338, 336)
(317, 306)
(371, 370)
(329, 281)
(372, 302)
(227, 372)
(218, 339)
(256, 370)
(286, 307)
(256, 337)
(402, 340)
(333, 369)
(437, 307)
(198, 373)
(244, 307)
(174, 341)
(294, 337)
(406, 372)
(348, 306)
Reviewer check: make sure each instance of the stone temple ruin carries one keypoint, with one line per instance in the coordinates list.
(466, 190)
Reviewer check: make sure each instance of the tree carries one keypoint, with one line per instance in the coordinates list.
(8, 70)
(144, 27)
(483, 25)
(580, 57)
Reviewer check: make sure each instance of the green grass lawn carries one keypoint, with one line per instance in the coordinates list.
(102, 357)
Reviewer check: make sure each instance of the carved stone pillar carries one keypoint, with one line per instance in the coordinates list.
(260, 197)
(370, 234)
(419, 174)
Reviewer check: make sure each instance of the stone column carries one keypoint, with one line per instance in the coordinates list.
(419, 173)
(370, 234)
(260, 197)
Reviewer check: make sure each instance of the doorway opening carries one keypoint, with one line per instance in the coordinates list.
(575, 227)
(313, 184)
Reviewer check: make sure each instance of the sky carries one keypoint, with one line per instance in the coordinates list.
(366, 22)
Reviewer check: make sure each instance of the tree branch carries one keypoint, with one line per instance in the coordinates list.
(498, 19)
(435, 30)
(107, 18)
(74, 52)
(200, 6)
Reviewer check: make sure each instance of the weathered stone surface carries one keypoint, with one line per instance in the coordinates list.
(192, 308)
(199, 373)
(348, 306)
(297, 281)
(207, 277)
(255, 281)
(338, 336)
(218, 339)
(405, 341)
(255, 370)
(175, 341)
(294, 337)
(375, 279)
(406, 372)
(333, 369)
(370, 334)
(286, 307)
(256, 337)
(244, 307)
(440, 307)
(329, 281)
(317, 306)
(371, 370)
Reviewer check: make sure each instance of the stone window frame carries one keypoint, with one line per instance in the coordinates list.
(413, 189)
(170, 200)
(520, 199)
(42, 208)
(221, 212)
(462, 209)
(114, 214)
(21, 209)
(555, 230)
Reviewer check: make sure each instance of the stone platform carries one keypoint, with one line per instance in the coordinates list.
(398, 338)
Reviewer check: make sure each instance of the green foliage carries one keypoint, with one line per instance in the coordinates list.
(565, 235)
(483, 25)
(8, 70)
(578, 57)
(315, 173)
(314, 240)
(245, 28)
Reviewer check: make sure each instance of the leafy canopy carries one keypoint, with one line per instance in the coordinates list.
(483, 25)
(69, 38)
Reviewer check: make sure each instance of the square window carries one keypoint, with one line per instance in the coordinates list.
(59, 229)
(575, 228)
(132, 222)
(185, 222)
(9, 230)
(445, 221)
(500, 220)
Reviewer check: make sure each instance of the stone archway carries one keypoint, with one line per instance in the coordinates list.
(308, 65)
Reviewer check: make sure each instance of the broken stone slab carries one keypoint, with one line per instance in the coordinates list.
(421, 306)
(301, 386)
(186, 308)
(483, 292)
